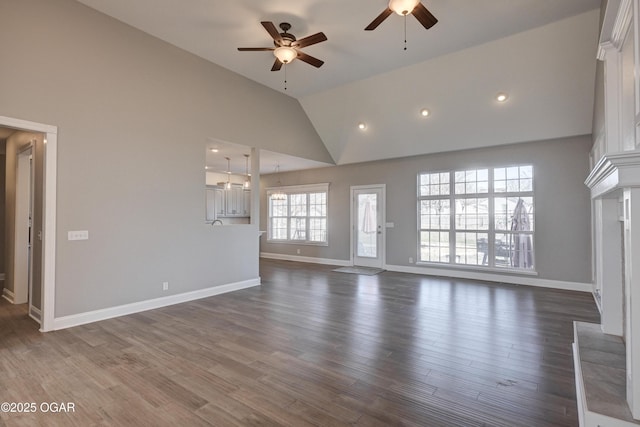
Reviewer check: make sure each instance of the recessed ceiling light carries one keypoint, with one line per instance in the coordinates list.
(502, 97)
(362, 125)
(424, 112)
(214, 150)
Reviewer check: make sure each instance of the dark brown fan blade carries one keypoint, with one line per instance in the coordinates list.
(255, 49)
(374, 24)
(425, 17)
(309, 40)
(310, 59)
(273, 31)
(276, 65)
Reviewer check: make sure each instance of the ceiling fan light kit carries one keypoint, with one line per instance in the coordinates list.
(287, 47)
(285, 54)
(403, 7)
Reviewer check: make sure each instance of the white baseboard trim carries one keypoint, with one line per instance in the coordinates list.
(136, 307)
(459, 274)
(35, 314)
(597, 301)
(312, 260)
(493, 277)
(8, 295)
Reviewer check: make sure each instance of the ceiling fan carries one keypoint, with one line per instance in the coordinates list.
(287, 47)
(403, 8)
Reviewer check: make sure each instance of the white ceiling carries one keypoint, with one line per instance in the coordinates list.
(270, 162)
(367, 76)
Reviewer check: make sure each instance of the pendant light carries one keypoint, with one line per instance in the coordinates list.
(228, 185)
(247, 182)
(278, 195)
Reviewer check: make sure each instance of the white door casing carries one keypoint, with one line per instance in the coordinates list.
(49, 214)
(367, 225)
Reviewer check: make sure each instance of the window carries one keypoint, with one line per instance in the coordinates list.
(477, 217)
(298, 214)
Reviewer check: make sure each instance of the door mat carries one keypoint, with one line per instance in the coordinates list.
(367, 271)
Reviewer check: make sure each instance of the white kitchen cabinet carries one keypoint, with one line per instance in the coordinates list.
(235, 201)
(214, 203)
(223, 203)
(220, 207)
(246, 196)
(210, 207)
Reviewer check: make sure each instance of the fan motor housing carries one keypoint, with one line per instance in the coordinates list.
(287, 38)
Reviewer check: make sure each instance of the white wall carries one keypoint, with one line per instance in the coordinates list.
(562, 206)
(133, 116)
(549, 73)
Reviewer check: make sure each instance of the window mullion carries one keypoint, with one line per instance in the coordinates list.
(289, 217)
(307, 231)
(452, 219)
(491, 261)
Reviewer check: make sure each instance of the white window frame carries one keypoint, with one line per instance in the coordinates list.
(491, 231)
(299, 189)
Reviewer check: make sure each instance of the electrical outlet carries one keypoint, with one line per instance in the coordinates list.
(165, 286)
(298, 251)
(410, 260)
(78, 235)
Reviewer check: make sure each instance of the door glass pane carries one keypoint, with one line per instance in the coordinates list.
(367, 236)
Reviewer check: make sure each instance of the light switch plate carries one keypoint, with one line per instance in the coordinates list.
(78, 235)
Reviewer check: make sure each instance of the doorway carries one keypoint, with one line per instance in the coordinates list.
(23, 256)
(44, 284)
(367, 225)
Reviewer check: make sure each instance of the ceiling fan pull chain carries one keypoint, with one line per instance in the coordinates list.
(285, 76)
(405, 32)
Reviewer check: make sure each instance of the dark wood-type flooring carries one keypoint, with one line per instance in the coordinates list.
(309, 347)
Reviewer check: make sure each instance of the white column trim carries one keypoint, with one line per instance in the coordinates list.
(617, 19)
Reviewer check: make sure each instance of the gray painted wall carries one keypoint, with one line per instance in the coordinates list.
(562, 240)
(133, 116)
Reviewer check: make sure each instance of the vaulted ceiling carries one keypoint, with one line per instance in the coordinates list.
(540, 52)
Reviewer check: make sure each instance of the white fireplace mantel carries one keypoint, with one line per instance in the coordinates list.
(614, 183)
(614, 172)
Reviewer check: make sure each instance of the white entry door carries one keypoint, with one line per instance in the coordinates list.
(367, 225)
